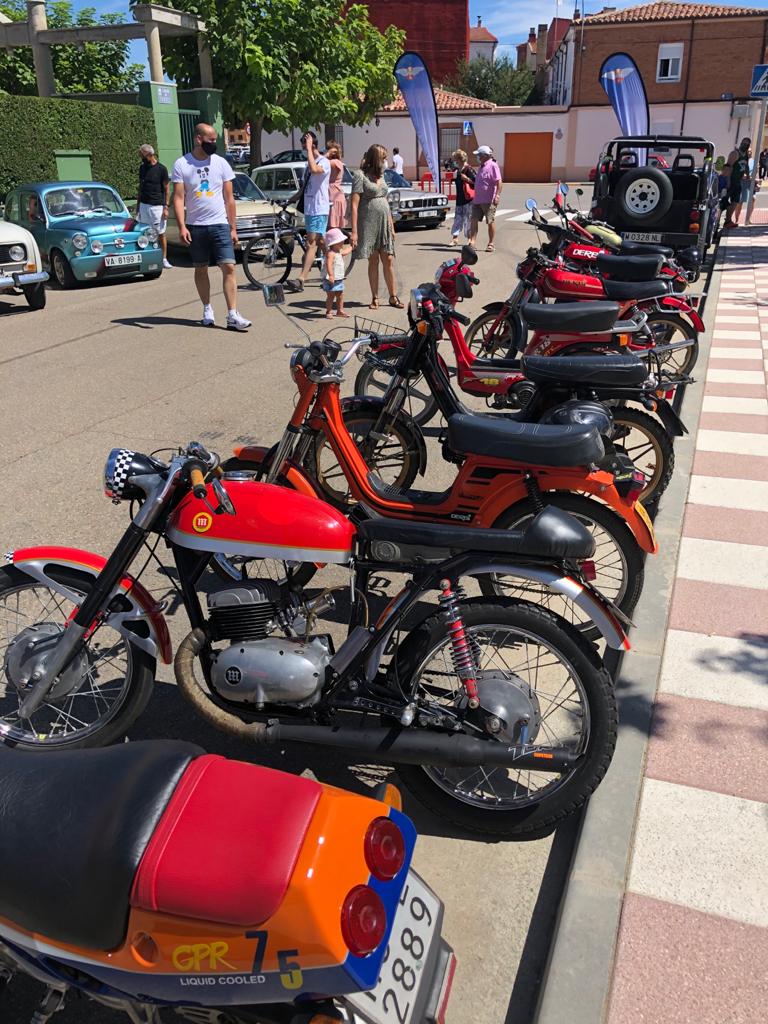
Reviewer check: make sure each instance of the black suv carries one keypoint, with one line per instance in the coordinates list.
(674, 205)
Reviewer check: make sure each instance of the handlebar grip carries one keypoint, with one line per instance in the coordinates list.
(197, 480)
(465, 320)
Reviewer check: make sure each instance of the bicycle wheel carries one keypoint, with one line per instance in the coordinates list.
(267, 260)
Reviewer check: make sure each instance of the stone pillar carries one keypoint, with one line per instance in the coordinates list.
(204, 57)
(154, 52)
(41, 54)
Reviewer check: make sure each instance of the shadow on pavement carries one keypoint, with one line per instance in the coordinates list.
(147, 323)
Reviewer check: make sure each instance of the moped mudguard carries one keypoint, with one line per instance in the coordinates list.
(685, 309)
(141, 620)
(672, 422)
(359, 403)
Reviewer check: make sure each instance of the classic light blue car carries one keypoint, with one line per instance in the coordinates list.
(84, 231)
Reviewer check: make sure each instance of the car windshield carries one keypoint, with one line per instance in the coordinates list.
(83, 201)
(395, 180)
(244, 188)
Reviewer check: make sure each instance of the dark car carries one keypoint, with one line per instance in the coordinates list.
(675, 206)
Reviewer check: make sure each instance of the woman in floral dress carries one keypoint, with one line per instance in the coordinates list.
(373, 230)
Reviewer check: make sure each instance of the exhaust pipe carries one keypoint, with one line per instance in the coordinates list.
(388, 745)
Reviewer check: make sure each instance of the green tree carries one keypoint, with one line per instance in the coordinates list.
(291, 63)
(96, 67)
(498, 81)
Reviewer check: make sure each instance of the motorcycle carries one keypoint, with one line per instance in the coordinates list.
(232, 893)
(495, 743)
(507, 471)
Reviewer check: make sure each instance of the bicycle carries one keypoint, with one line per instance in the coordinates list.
(268, 259)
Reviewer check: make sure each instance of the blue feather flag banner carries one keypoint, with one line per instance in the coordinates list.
(623, 85)
(415, 84)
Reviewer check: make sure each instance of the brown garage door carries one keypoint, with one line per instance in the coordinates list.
(528, 156)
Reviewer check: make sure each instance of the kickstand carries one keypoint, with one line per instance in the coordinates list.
(51, 1003)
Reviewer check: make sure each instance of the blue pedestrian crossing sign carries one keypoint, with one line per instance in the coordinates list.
(759, 81)
(467, 128)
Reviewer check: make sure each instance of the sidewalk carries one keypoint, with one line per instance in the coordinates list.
(693, 939)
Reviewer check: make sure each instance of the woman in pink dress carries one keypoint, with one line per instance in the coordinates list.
(337, 217)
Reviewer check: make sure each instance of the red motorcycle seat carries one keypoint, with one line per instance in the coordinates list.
(226, 846)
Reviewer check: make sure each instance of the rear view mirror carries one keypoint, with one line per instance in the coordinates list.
(468, 255)
(274, 294)
(531, 204)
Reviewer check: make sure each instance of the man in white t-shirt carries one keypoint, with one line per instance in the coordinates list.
(397, 161)
(317, 205)
(205, 210)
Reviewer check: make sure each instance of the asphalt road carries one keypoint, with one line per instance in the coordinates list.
(127, 364)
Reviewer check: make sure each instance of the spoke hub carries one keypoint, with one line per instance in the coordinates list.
(509, 709)
(27, 656)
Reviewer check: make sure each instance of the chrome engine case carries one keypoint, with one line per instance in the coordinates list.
(275, 670)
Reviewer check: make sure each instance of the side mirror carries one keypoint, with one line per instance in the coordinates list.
(531, 204)
(224, 500)
(274, 294)
(468, 255)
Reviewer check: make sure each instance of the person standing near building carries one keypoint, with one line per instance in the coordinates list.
(465, 179)
(763, 163)
(397, 161)
(487, 192)
(317, 205)
(738, 183)
(154, 196)
(204, 204)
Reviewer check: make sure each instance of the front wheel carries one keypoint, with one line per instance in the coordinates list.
(533, 663)
(492, 334)
(618, 560)
(99, 694)
(668, 328)
(35, 295)
(62, 271)
(267, 261)
(373, 380)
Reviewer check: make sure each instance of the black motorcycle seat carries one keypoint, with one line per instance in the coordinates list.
(552, 534)
(630, 268)
(591, 371)
(579, 317)
(499, 365)
(533, 443)
(74, 825)
(644, 249)
(623, 290)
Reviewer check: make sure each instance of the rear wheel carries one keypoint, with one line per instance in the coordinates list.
(102, 691)
(648, 444)
(488, 335)
(372, 381)
(538, 665)
(267, 261)
(618, 559)
(668, 328)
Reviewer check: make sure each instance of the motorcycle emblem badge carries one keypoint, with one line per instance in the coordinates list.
(202, 522)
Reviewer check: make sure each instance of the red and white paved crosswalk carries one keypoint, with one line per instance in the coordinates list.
(693, 940)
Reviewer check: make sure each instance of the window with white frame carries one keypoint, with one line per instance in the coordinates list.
(670, 63)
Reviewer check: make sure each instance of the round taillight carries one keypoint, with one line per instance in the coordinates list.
(363, 920)
(384, 849)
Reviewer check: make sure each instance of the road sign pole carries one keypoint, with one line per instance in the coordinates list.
(757, 146)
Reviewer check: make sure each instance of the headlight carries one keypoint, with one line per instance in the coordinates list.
(17, 253)
(394, 200)
(151, 234)
(97, 246)
(142, 241)
(116, 472)
(442, 201)
(80, 241)
(414, 306)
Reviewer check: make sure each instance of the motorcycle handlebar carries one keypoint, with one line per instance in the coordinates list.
(197, 480)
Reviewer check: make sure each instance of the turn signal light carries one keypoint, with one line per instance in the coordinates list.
(363, 920)
(384, 849)
(624, 339)
(695, 228)
(589, 570)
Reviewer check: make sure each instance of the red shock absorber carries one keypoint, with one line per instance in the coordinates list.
(461, 650)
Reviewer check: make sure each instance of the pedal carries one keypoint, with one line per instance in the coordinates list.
(51, 1003)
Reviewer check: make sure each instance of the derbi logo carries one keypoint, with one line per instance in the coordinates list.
(585, 254)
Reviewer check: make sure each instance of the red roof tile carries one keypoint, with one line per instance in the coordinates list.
(480, 34)
(671, 12)
(447, 101)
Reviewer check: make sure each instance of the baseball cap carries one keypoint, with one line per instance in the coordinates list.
(483, 151)
(334, 236)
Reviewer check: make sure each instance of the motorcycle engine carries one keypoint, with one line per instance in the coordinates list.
(518, 397)
(256, 668)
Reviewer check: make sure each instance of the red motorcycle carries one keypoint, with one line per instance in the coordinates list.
(508, 741)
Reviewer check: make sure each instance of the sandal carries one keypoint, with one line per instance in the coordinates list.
(395, 303)
(374, 304)
(490, 248)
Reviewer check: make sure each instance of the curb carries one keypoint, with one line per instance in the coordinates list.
(576, 985)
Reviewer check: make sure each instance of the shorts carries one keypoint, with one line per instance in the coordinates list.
(153, 215)
(316, 223)
(483, 211)
(211, 243)
(739, 193)
(337, 286)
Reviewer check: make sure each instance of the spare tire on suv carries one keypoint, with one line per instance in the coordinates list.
(644, 195)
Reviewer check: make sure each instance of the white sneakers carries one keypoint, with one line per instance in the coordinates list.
(209, 320)
(235, 322)
(167, 265)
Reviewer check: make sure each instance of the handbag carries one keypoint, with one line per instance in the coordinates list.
(299, 204)
(469, 191)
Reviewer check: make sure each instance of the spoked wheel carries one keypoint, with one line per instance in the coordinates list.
(395, 459)
(530, 663)
(650, 447)
(618, 560)
(100, 693)
(485, 340)
(267, 261)
(372, 381)
(668, 328)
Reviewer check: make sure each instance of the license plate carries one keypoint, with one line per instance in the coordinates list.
(123, 260)
(642, 236)
(398, 993)
(428, 213)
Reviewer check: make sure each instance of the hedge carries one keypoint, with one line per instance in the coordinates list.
(31, 128)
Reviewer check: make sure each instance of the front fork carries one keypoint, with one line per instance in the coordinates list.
(283, 451)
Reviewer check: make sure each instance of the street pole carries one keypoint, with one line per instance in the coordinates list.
(757, 136)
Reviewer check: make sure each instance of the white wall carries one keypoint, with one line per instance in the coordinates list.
(486, 50)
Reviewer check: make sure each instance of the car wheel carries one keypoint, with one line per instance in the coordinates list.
(62, 271)
(35, 295)
(644, 195)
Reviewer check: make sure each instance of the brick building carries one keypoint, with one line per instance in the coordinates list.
(437, 29)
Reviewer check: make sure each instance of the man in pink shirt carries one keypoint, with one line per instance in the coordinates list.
(487, 192)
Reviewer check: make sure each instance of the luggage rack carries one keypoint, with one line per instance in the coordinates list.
(345, 330)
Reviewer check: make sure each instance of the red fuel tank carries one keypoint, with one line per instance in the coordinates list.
(270, 522)
(566, 284)
(583, 251)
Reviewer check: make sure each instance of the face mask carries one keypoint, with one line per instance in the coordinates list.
(146, 160)
(208, 147)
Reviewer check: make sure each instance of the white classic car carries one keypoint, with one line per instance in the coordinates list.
(21, 269)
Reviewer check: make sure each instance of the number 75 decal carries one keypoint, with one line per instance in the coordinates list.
(290, 970)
